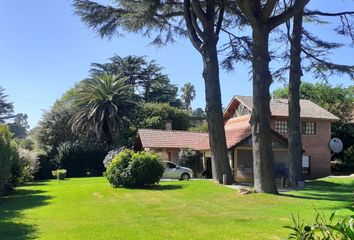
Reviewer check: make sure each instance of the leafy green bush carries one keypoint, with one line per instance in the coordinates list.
(46, 166)
(5, 156)
(60, 174)
(30, 163)
(349, 155)
(81, 158)
(110, 155)
(10, 167)
(323, 228)
(343, 167)
(130, 169)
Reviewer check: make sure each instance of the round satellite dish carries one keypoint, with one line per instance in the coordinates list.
(336, 145)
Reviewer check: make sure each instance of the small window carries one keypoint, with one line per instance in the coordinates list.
(308, 128)
(281, 127)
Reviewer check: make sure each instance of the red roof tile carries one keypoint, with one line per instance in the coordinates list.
(236, 130)
(152, 138)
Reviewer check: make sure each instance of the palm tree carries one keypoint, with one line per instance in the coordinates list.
(188, 94)
(101, 105)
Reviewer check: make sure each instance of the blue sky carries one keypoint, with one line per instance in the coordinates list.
(45, 49)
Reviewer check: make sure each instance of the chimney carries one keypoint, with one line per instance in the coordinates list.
(168, 125)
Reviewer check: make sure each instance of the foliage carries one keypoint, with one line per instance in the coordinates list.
(60, 174)
(19, 127)
(5, 156)
(191, 159)
(323, 228)
(188, 94)
(10, 167)
(155, 115)
(110, 155)
(198, 118)
(30, 162)
(6, 108)
(81, 158)
(145, 77)
(46, 166)
(349, 155)
(201, 128)
(53, 129)
(130, 169)
(101, 105)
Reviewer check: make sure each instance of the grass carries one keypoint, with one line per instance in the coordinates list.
(88, 208)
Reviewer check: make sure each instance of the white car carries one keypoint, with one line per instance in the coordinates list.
(175, 171)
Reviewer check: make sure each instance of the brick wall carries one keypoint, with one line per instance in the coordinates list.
(316, 146)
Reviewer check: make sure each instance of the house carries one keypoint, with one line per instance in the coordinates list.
(315, 127)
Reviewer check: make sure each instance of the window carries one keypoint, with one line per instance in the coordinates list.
(171, 165)
(281, 127)
(308, 128)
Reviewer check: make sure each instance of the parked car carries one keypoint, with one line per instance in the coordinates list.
(175, 171)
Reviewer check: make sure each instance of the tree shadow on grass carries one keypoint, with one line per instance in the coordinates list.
(326, 191)
(11, 208)
(160, 187)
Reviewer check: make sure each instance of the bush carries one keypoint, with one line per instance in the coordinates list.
(81, 158)
(30, 163)
(46, 166)
(10, 168)
(323, 228)
(130, 169)
(60, 174)
(342, 167)
(191, 159)
(110, 155)
(349, 155)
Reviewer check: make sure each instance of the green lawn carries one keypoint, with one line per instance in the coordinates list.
(88, 208)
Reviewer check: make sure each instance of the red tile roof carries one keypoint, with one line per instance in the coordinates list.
(236, 130)
(153, 138)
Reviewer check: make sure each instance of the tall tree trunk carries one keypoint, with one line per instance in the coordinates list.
(264, 180)
(294, 128)
(220, 161)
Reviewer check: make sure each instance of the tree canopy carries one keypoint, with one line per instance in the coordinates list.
(100, 106)
(6, 108)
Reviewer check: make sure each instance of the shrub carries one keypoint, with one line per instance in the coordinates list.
(342, 167)
(349, 155)
(323, 228)
(130, 169)
(46, 166)
(81, 158)
(29, 160)
(60, 174)
(10, 167)
(191, 159)
(110, 155)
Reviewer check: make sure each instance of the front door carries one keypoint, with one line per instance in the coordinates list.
(208, 168)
